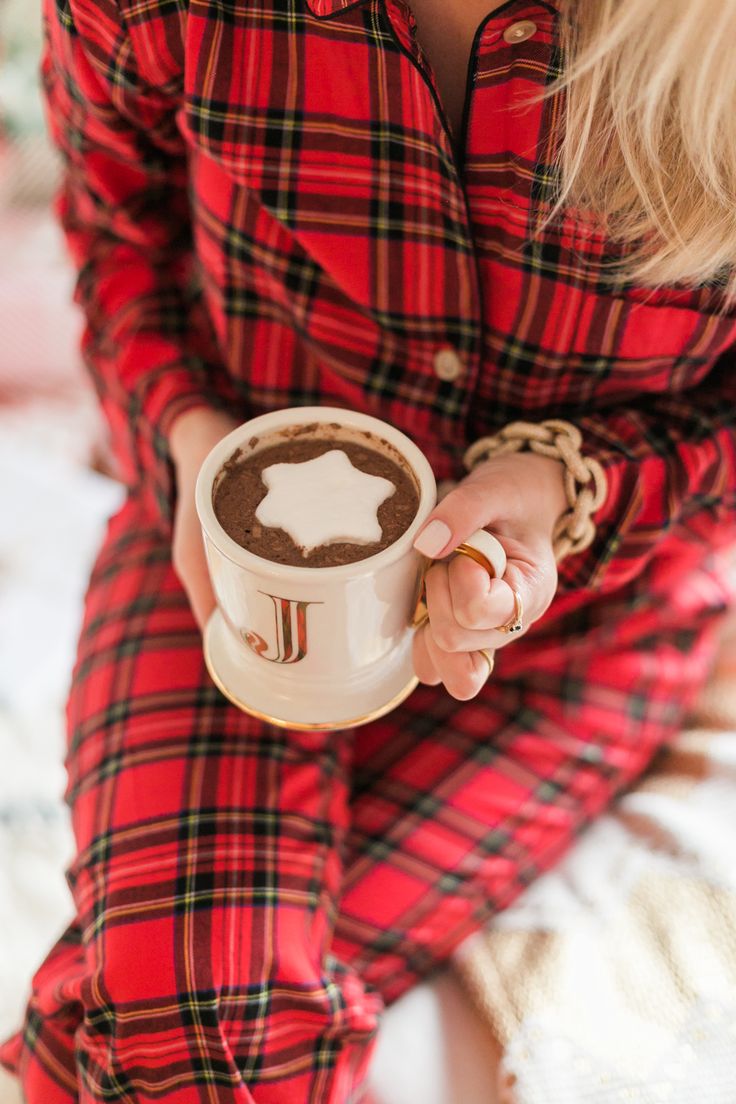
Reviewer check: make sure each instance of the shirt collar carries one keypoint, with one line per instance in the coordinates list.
(324, 8)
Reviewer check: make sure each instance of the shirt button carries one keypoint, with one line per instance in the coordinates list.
(447, 365)
(519, 32)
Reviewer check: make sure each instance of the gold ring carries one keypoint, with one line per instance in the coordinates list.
(474, 554)
(486, 550)
(514, 623)
(489, 658)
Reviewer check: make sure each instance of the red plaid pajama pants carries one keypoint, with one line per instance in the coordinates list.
(247, 898)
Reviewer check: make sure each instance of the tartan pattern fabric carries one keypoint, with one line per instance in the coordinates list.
(248, 898)
(266, 209)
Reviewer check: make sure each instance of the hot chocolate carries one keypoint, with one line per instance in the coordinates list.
(318, 478)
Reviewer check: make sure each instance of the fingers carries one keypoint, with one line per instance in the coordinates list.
(514, 499)
(463, 673)
(424, 668)
(460, 513)
(465, 609)
(190, 562)
(495, 607)
(475, 600)
(199, 592)
(192, 435)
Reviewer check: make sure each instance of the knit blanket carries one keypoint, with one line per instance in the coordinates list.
(614, 977)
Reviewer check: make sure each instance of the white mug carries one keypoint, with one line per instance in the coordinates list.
(315, 647)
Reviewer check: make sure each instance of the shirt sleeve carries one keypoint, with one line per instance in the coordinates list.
(147, 341)
(670, 462)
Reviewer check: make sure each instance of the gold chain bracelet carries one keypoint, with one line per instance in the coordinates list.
(585, 481)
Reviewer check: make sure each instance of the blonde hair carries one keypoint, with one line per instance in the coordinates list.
(648, 145)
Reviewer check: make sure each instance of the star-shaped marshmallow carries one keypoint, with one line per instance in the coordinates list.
(323, 501)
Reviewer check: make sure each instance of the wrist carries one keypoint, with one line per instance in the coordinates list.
(535, 486)
(570, 495)
(551, 475)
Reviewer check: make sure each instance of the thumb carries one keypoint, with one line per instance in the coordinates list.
(466, 508)
(200, 594)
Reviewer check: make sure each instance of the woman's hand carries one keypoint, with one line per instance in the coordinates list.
(517, 497)
(192, 436)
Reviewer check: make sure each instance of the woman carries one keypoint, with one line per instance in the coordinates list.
(307, 202)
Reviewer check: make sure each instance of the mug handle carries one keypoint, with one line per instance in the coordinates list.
(482, 547)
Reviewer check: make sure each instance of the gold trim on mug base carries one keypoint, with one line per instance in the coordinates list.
(354, 722)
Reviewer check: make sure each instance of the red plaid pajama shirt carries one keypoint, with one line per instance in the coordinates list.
(266, 209)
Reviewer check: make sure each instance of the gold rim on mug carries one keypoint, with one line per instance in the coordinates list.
(302, 726)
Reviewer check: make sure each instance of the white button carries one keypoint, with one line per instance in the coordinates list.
(519, 32)
(447, 365)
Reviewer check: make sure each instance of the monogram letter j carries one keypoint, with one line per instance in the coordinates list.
(290, 618)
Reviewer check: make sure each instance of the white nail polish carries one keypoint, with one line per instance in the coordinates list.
(433, 539)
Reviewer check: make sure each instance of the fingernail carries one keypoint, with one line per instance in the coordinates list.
(433, 539)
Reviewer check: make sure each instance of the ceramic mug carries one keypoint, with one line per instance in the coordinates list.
(317, 647)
